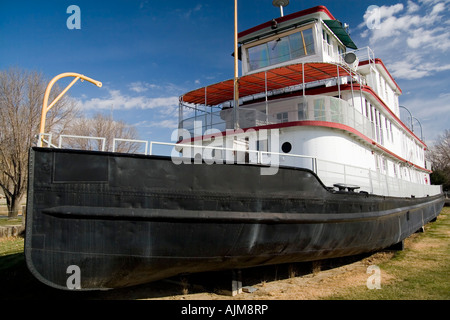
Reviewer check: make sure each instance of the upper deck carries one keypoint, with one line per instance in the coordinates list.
(305, 36)
(294, 55)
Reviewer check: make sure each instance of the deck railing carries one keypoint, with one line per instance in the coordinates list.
(330, 173)
(302, 108)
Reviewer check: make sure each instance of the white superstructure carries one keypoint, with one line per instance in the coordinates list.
(309, 98)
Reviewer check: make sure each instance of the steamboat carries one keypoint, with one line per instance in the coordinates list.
(301, 158)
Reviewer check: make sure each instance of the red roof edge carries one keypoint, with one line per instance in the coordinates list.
(286, 18)
(380, 62)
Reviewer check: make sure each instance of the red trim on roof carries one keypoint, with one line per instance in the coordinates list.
(287, 18)
(380, 62)
(373, 93)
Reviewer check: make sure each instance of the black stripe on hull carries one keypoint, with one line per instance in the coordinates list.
(127, 219)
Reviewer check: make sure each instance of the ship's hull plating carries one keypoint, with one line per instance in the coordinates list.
(127, 219)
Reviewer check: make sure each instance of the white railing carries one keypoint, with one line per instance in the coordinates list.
(255, 156)
(224, 119)
(145, 142)
(311, 108)
(363, 54)
(370, 181)
(46, 139)
(103, 140)
(329, 172)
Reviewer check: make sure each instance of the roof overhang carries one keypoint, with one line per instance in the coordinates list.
(255, 83)
(283, 23)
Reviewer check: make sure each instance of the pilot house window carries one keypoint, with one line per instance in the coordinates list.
(282, 49)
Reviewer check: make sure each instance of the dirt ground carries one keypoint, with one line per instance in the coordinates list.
(302, 281)
(312, 286)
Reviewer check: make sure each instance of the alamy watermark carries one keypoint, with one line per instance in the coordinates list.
(231, 146)
(74, 280)
(373, 17)
(374, 280)
(74, 20)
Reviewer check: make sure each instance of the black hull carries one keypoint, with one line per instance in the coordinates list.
(128, 219)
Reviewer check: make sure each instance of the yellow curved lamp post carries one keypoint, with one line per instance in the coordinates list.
(46, 108)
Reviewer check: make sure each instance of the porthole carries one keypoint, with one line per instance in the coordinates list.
(286, 147)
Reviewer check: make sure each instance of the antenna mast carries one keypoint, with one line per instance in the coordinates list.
(281, 4)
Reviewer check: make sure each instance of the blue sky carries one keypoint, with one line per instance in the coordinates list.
(147, 53)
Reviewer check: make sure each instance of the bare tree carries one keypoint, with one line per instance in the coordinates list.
(102, 126)
(21, 96)
(439, 155)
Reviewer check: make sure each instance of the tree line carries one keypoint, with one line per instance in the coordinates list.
(21, 97)
(439, 155)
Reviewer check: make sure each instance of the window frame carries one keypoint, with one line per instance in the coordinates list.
(300, 30)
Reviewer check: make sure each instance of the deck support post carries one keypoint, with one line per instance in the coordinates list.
(236, 284)
(399, 246)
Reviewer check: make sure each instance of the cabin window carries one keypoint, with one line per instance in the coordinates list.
(319, 109)
(281, 49)
(261, 145)
(392, 133)
(335, 111)
(387, 129)
(302, 111)
(367, 109)
(282, 117)
(326, 37)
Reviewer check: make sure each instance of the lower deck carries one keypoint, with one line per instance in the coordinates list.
(335, 154)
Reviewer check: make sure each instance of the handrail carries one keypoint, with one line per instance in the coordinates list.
(46, 108)
(330, 172)
(145, 142)
(103, 140)
(259, 153)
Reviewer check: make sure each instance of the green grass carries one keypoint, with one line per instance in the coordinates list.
(11, 252)
(9, 222)
(420, 272)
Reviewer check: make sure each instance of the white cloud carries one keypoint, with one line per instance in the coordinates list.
(187, 14)
(118, 101)
(140, 86)
(137, 87)
(412, 6)
(167, 124)
(418, 33)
